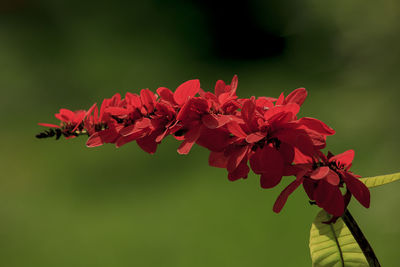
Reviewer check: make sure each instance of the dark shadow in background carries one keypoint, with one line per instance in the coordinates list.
(237, 32)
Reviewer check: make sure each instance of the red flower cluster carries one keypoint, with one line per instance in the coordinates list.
(263, 132)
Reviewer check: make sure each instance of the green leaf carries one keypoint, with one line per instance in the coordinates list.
(380, 180)
(333, 244)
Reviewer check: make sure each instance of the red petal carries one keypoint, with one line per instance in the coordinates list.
(359, 190)
(148, 99)
(309, 186)
(265, 103)
(297, 96)
(287, 152)
(236, 157)
(240, 172)
(219, 87)
(49, 125)
(300, 157)
(270, 179)
(332, 178)
(129, 138)
(329, 198)
(78, 120)
(116, 111)
(267, 160)
(186, 90)
(190, 138)
(133, 100)
(214, 140)
(235, 129)
(297, 139)
(317, 125)
(128, 130)
(148, 144)
(166, 94)
(280, 100)
(94, 140)
(319, 173)
(323, 192)
(234, 85)
(283, 196)
(286, 111)
(248, 110)
(346, 158)
(335, 205)
(217, 159)
(254, 137)
(223, 119)
(65, 115)
(210, 121)
(137, 127)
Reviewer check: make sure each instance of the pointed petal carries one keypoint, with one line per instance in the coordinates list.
(297, 96)
(219, 87)
(148, 99)
(359, 190)
(283, 196)
(280, 113)
(235, 129)
(186, 90)
(280, 100)
(234, 85)
(166, 94)
(316, 125)
(248, 110)
(49, 125)
(346, 158)
(190, 138)
(129, 138)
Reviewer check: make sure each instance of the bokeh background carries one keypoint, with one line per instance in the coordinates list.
(62, 204)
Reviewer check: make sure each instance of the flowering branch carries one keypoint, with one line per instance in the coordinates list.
(263, 134)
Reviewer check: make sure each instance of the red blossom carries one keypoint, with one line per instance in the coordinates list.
(263, 134)
(322, 182)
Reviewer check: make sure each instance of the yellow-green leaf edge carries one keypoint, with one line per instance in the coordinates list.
(333, 245)
(380, 180)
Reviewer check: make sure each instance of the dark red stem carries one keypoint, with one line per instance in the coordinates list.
(361, 240)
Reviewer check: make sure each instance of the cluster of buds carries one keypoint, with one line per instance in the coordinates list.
(262, 133)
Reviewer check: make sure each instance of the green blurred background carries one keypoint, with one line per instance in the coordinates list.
(62, 204)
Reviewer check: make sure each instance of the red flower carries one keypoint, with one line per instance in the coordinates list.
(70, 122)
(209, 111)
(270, 136)
(322, 182)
